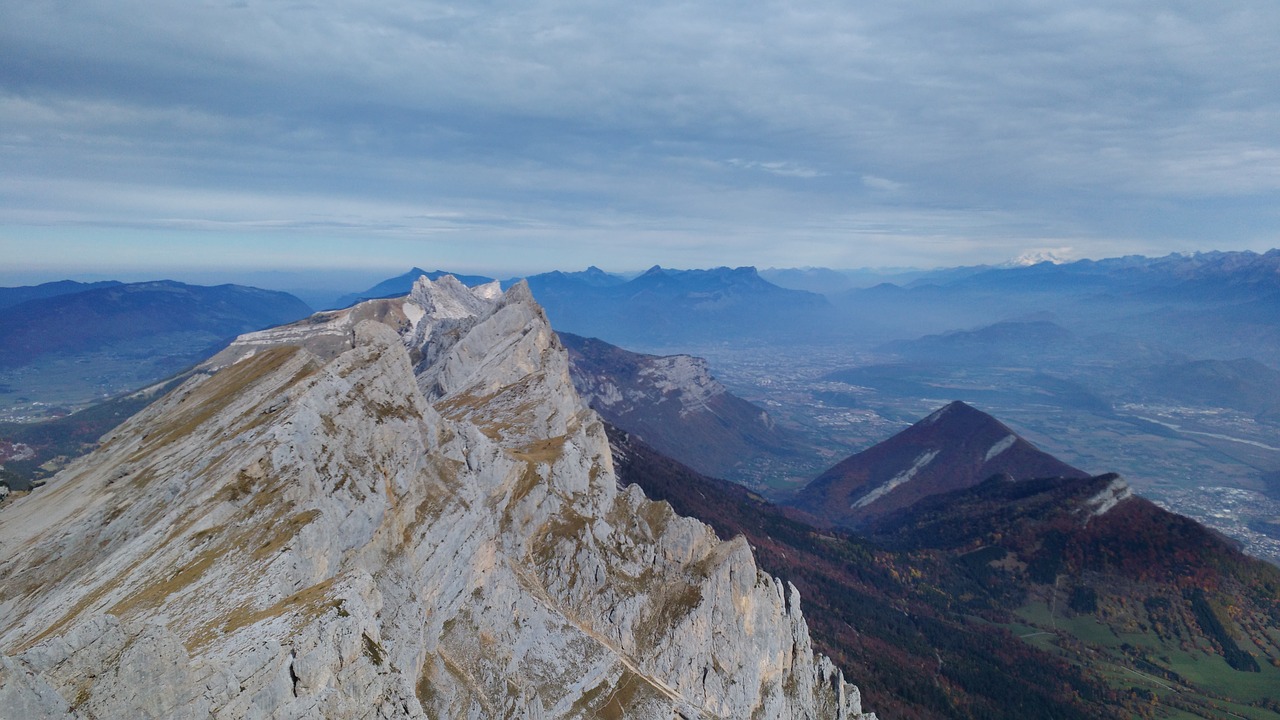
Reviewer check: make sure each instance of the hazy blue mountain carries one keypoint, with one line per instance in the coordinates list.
(68, 350)
(557, 279)
(1243, 384)
(93, 319)
(14, 295)
(1216, 304)
(664, 306)
(1211, 329)
(1002, 342)
(828, 281)
(818, 280)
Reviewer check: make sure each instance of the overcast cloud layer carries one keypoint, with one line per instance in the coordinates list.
(532, 135)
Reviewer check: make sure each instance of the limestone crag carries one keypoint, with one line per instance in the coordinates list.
(685, 378)
(676, 406)
(398, 510)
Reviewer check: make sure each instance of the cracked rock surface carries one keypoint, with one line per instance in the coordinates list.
(398, 510)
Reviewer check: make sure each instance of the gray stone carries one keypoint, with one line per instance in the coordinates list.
(398, 510)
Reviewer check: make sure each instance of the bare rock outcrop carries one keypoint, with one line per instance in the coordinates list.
(398, 510)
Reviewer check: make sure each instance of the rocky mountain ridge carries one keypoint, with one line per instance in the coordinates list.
(14, 295)
(399, 510)
(1013, 599)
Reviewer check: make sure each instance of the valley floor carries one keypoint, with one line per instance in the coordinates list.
(1210, 464)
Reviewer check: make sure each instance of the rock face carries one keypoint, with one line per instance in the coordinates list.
(675, 404)
(399, 510)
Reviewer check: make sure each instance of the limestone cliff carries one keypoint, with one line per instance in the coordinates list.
(398, 510)
(676, 406)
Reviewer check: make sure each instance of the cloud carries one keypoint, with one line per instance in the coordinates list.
(882, 184)
(780, 168)
(1130, 124)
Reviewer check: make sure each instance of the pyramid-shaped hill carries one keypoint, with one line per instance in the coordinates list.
(1045, 597)
(956, 447)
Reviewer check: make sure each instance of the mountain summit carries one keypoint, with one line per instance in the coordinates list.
(955, 447)
(401, 284)
(397, 510)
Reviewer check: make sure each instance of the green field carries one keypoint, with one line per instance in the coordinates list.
(1201, 684)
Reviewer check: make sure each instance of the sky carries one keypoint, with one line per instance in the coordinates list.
(519, 137)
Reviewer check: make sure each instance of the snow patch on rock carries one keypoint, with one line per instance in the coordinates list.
(897, 480)
(414, 312)
(1004, 444)
(935, 416)
(1109, 497)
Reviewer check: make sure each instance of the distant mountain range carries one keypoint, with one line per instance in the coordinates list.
(15, 295)
(1224, 275)
(98, 317)
(1244, 383)
(1218, 304)
(662, 307)
(402, 284)
(82, 344)
(1109, 369)
(1001, 342)
(659, 307)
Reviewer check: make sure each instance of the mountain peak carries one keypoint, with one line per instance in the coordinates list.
(402, 284)
(958, 411)
(955, 447)
(445, 298)
(338, 518)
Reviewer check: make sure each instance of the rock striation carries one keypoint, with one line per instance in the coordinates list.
(397, 510)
